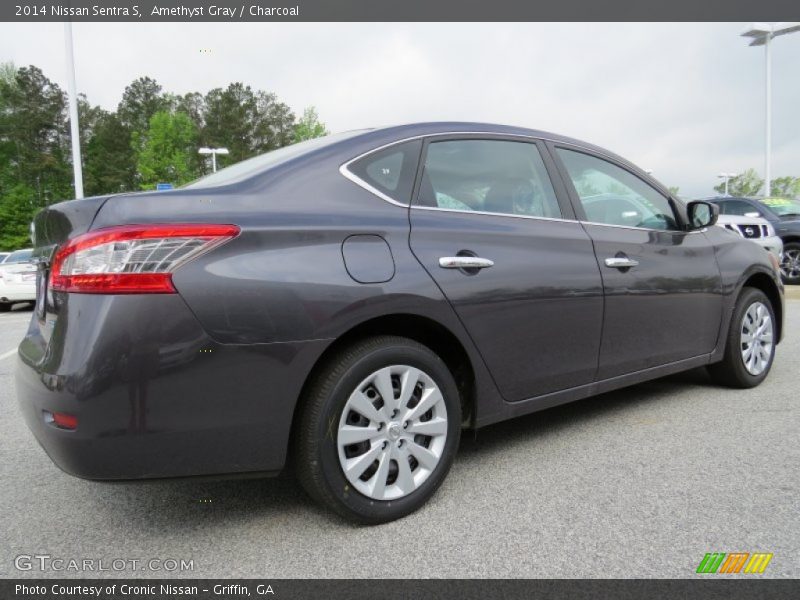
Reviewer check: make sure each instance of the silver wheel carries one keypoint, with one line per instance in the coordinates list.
(756, 338)
(392, 432)
(790, 264)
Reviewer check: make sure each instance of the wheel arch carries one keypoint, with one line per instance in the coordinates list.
(424, 330)
(763, 282)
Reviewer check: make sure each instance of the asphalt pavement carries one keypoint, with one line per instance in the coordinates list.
(641, 482)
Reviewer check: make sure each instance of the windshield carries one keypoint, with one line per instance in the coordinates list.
(782, 206)
(252, 166)
(19, 256)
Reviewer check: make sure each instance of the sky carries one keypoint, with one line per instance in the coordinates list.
(685, 100)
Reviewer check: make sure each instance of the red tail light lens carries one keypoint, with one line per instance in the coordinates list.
(61, 420)
(132, 259)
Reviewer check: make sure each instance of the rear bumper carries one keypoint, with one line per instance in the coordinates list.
(153, 394)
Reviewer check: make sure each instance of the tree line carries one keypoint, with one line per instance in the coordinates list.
(748, 183)
(152, 137)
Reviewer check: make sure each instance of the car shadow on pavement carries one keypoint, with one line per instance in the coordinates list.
(170, 507)
(583, 411)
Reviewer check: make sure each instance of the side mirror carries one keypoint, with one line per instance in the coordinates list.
(702, 214)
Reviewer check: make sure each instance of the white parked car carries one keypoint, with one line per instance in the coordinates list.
(17, 279)
(755, 229)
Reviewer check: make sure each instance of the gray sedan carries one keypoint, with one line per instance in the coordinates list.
(349, 305)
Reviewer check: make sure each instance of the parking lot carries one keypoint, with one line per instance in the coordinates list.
(636, 483)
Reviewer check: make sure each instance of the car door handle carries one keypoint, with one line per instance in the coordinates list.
(464, 262)
(621, 262)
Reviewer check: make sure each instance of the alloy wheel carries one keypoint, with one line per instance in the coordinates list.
(392, 432)
(790, 264)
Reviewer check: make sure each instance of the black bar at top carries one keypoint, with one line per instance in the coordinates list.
(398, 10)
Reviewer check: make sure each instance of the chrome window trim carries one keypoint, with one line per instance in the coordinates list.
(360, 182)
(493, 214)
(345, 171)
(643, 228)
(560, 220)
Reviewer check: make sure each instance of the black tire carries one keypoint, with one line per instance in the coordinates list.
(5, 307)
(315, 450)
(790, 252)
(731, 371)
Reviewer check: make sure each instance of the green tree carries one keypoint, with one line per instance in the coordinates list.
(309, 126)
(8, 72)
(8, 147)
(274, 124)
(787, 187)
(744, 184)
(245, 122)
(17, 208)
(167, 150)
(194, 105)
(109, 158)
(674, 190)
(140, 101)
(153, 136)
(33, 145)
(229, 119)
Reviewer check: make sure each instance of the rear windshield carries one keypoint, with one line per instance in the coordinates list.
(19, 256)
(252, 166)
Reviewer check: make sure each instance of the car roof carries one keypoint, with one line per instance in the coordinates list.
(348, 145)
(382, 136)
(409, 130)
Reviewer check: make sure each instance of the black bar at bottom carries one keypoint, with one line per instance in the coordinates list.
(711, 586)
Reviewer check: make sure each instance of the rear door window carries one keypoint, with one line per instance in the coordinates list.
(491, 176)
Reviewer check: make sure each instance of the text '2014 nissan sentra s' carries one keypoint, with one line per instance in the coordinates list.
(354, 302)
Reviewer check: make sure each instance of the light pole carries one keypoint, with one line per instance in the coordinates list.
(77, 169)
(727, 177)
(762, 34)
(213, 152)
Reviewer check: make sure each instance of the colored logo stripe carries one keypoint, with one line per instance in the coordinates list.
(734, 562)
(714, 562)
(758, 562)
(711, 562)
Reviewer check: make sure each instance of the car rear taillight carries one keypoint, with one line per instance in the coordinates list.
(132, 259)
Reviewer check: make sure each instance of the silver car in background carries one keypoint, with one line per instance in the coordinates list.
(756, 230)
(17, 279)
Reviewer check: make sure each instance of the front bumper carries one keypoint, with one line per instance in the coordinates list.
(154, 395)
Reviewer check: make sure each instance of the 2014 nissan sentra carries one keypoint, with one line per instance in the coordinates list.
(354, 302)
